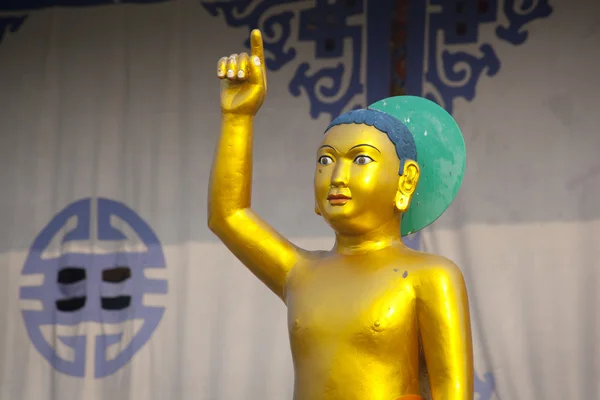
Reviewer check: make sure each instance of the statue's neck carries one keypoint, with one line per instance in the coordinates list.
(384, 236)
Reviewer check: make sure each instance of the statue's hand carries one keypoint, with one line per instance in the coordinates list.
(243, 79)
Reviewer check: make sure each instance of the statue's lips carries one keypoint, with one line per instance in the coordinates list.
(338, 199)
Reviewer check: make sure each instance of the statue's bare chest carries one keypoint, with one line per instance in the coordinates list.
(350, 303)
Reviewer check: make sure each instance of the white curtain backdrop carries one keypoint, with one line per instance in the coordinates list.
(109, 115)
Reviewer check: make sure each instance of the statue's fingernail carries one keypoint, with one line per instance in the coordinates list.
(240, 74)
(256, 60)
(220, 72)
(230, 73)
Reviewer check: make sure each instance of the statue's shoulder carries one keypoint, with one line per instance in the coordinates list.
(434, 270)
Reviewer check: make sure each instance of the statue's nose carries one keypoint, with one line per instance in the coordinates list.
(340, 176)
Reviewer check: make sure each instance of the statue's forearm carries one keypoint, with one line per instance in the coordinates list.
(450, 365)
(230, 187)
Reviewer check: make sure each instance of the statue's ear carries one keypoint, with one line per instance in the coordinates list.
(317, 211)
(407, 183)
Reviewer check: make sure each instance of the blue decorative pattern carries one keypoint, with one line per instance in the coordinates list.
(452, 74)
(324, 24)
(519, 14)
(484, 389)
(88, 297)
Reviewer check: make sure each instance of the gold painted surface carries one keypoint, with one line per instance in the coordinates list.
(356, 313)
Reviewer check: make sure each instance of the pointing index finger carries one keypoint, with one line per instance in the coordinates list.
(256, 45)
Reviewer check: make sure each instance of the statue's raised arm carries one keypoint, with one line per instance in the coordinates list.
(266, 253)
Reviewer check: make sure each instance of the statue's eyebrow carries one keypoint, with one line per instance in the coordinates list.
(364, 144)
(331, 147)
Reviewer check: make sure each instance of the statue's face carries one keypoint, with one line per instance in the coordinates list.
(356, 179)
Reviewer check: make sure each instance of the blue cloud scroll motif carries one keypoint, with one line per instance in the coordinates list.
(323, 23)
(519, 14)
(326, 25)
(445, 23)
(457, 73)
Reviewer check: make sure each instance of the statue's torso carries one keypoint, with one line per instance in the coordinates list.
(353, 329)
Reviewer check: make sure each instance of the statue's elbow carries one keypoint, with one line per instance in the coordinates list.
(213, 223)
(217, 223)
(213, 220)
(221, 221)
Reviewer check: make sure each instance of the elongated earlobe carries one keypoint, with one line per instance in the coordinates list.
(401, 202)
(406, 185)
(317, 211)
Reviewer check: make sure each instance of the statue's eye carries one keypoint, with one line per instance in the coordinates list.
(363, 160)
(325, 160)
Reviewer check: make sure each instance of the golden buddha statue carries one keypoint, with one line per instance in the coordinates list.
(359, 314)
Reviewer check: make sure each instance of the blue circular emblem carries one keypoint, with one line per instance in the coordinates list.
(91, 282)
